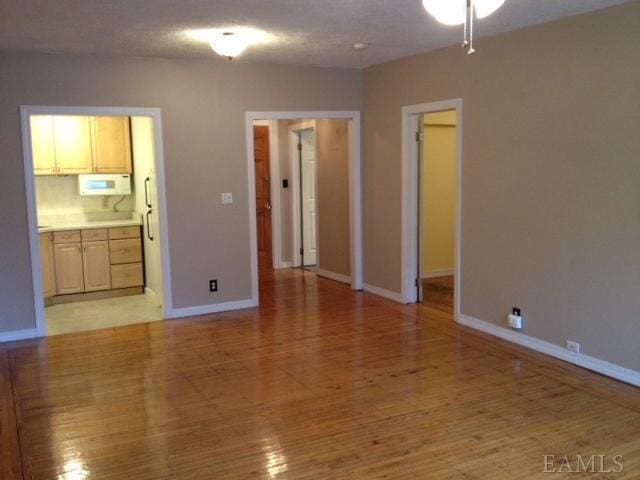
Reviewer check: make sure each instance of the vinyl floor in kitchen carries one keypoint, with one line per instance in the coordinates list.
(97, 314)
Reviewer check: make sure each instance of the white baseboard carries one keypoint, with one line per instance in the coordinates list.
(19, 335)
(590, 363)
(213, 308)
(438, 273)
(338, 277)
(383, 292)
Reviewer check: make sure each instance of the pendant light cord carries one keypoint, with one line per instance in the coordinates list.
(471, 50)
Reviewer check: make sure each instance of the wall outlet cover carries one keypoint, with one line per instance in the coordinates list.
(573, 346)
(213, 286)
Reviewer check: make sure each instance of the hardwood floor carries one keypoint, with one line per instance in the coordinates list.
(319, 383)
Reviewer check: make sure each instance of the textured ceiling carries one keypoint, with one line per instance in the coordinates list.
(304, 32)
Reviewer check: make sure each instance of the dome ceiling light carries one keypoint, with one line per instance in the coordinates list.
(230, 42)
(459, 12)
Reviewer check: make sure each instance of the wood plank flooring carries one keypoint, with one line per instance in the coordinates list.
(319, 383)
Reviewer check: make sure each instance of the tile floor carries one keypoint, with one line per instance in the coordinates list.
(97, 314)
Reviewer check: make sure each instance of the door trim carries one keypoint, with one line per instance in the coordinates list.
(355, 185)
(296, 190)
(36, 274)
(411, 115)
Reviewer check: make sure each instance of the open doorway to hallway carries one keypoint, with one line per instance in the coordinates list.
(437, 207)
(307, 193)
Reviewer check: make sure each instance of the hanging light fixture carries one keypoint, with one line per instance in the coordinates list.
(459, 12)
(229, 44)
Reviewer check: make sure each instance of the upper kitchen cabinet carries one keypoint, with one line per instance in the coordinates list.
(72, 137)
(73, 144)
(42, 145)
(111, 144)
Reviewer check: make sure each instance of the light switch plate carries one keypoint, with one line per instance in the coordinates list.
(227, 198)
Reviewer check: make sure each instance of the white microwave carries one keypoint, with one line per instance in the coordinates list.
(105, 184)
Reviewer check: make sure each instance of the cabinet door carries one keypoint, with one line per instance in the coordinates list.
(47, 266)
(72, 144)
(69, 272)
(42, 145)
(111, 145)
(97, 269)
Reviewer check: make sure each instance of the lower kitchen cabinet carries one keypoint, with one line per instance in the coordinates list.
(48, 267)
(96, 266)
(69, 268)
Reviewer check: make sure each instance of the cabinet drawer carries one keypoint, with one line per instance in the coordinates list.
(124, 232)
(127, 275)
(94, 235)
(125, 251)
(70, 236)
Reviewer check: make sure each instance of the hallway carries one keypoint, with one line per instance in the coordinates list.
(318, 383)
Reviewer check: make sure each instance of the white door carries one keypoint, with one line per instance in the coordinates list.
(308, 195)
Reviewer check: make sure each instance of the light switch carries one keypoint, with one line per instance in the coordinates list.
(227, 198)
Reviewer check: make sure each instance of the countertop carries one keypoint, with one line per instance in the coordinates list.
(80, 224)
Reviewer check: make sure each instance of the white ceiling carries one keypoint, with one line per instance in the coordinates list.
(306, 32)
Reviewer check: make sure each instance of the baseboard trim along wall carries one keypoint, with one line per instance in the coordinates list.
(439, 273)
(14, 335)
(590, 363)
(214, 308)
(383, 292)
(338, 277)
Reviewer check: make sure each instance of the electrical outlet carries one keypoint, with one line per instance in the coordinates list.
(213, 285)
(516, 311)
(227, 198)
(573, 346)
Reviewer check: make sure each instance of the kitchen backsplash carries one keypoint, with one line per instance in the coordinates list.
(58, 195)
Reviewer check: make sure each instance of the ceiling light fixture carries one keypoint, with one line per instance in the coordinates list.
(360, 46)
(231, 41)
(229, 44)
(458, 12)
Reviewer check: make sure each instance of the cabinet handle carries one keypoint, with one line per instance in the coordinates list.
(124, 251)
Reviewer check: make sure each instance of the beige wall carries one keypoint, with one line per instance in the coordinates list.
(550, 176)
(203, 109)
(438, 208)
(332, 147)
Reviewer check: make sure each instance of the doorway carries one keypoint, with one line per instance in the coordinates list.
(97, 220)
(431, 202)
(304, 162)
(437, 160)
(297, 203)
(262, 157)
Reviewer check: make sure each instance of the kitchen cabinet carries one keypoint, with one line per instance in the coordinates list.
(96, 266)
(111, 145)
(69, 268)
(48, 268)
(91, 260)
(42, 145)
(74, 144)
(127, 275)
(72, 138)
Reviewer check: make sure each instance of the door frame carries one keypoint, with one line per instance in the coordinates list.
(29, 180)
(296, 190)
(411, 115)
(355, 184)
